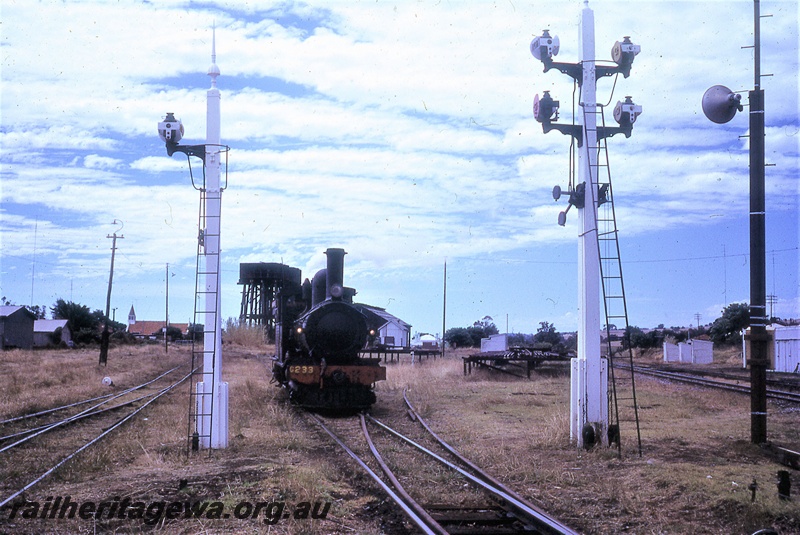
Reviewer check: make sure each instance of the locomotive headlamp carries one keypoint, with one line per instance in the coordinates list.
(545, 47)
(337, 291)
(372, 332)
(170, 130)
(299, 330)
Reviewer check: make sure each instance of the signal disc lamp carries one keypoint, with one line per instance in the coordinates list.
(720, 104)
(170, 130)
(545, 109)
(545, 46)
(623, 54)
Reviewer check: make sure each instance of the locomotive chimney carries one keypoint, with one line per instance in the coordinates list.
(334, 288)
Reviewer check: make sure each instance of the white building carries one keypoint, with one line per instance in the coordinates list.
(44, 332)
(392, 331)
(690, 352)
(783, 351)
(787, 349)
(495, 342)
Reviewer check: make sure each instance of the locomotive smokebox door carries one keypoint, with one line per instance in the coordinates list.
(334, 331)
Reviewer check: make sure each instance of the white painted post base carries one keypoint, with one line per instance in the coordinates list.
(588, 406)
(212, 430)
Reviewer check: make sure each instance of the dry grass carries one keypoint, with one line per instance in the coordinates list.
(692, 478)
(243, 334)
(35, 380)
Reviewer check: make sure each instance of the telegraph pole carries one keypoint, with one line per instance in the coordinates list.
(720, 105)
(104, 339)
(758, 285)
(444, 306)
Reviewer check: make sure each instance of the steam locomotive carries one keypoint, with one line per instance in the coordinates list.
(319, 337)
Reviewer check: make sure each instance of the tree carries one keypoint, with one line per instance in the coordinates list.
(79, 316)
(471, 336)
(639, 338)
(83, 323)
(482, 328)
(725, 329)
(546, 334)
(487, 324)
(195, 332)
(174, 333)
(519, 339)
(458, 337)
(39, 311)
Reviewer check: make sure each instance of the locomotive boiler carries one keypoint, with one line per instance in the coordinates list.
(319, 337)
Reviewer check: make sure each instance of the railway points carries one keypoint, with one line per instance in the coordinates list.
(505, 512)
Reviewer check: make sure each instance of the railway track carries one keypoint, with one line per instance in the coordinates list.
(503, 510)
(772, 393)
(14, 437)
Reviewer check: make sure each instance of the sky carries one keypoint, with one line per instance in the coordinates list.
(400, 131)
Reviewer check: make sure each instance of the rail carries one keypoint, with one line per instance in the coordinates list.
(711, 383)
(97, 438)
(514, 514)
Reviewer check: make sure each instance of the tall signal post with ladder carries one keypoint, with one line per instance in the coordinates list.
(209, 399)
(589, 400)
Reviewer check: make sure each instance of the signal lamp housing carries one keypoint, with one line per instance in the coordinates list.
(545, 47)
(170, 130)
(623, 54)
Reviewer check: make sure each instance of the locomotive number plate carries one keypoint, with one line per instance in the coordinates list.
(301, 370)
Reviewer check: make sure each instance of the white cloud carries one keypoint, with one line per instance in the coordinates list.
(403, 132)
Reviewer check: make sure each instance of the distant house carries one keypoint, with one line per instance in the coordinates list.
(425, 341)
(697, 351)
(16, 327)
(392, 332)
(151, 329)
(44, 332)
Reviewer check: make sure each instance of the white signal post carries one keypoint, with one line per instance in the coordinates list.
(212, 424)
(212, 393)
(589, 400)
(589, 373)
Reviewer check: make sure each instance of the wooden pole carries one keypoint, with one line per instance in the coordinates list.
(104, 339)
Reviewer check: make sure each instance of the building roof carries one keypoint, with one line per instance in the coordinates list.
(149, 328)
(385, 316)
(8, 310)
(48, 326)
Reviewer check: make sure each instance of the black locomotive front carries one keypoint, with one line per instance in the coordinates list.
(319, 336)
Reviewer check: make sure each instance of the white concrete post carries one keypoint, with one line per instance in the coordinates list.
(589, 377)
(213, 430)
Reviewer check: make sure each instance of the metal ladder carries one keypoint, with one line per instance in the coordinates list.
(616, 309)
(208, 319)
